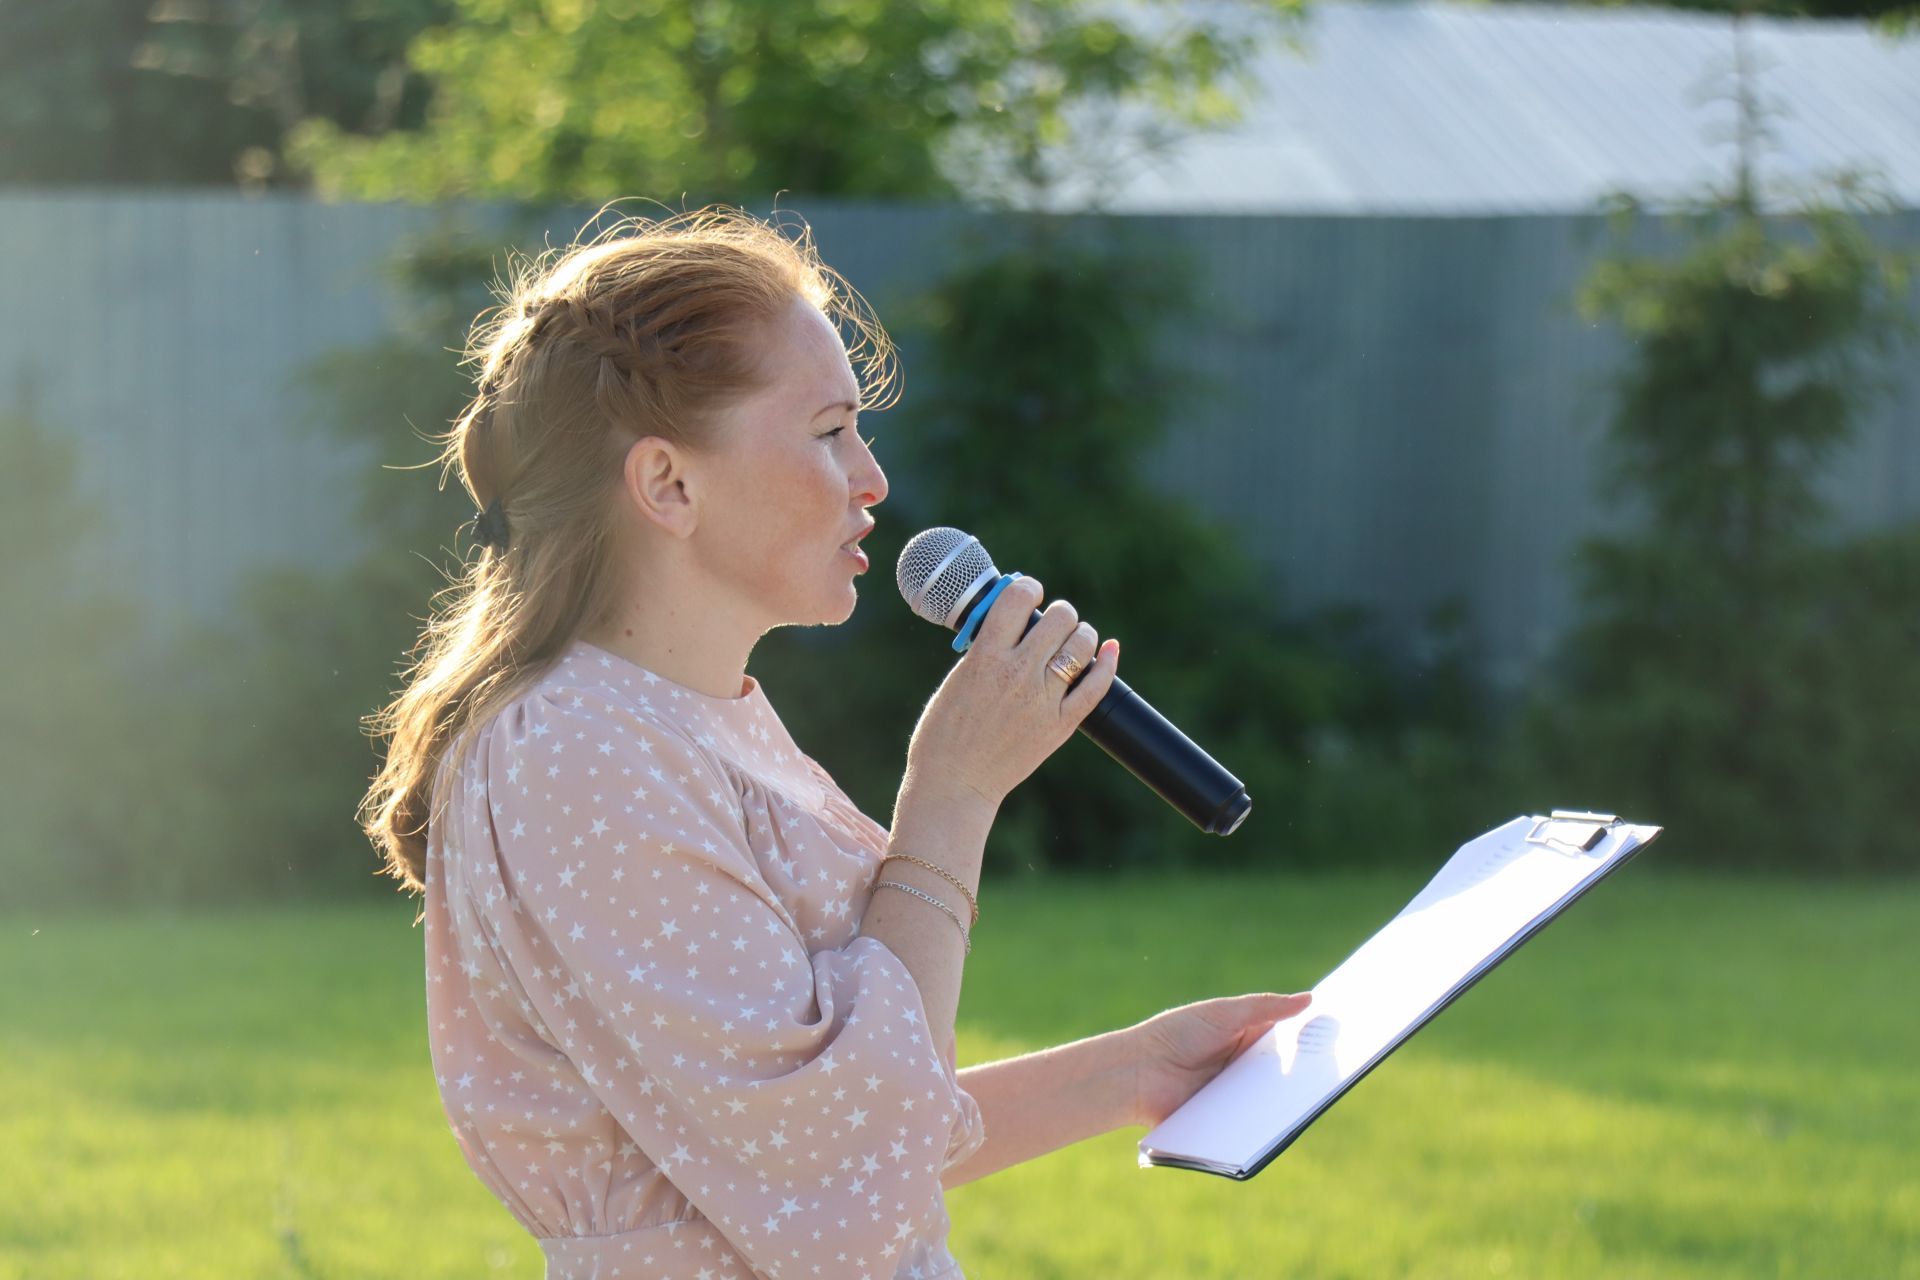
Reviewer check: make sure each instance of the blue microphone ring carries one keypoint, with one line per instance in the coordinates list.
(972, 624)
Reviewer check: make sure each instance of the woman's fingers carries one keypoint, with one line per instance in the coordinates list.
(1085, 696)
(1006, 620)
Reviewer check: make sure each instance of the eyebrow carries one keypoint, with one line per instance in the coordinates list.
(840, 404)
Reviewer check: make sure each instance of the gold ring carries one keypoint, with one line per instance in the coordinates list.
(1065, 666)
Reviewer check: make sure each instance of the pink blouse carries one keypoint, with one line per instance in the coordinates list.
(659, 1037)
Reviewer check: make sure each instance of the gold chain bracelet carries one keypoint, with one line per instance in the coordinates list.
(907, 857)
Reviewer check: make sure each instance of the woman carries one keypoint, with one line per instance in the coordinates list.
(677, 1028)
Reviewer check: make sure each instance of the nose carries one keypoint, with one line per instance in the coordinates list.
(871, 486)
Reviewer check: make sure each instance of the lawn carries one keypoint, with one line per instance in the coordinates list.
(1683, 1076)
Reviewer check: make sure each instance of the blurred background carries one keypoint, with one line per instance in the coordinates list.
(1458, 410)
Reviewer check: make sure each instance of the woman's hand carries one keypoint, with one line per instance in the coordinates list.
(1000, 712)
(1180, 1050)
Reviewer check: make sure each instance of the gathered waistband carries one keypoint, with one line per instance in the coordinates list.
(688, 1249)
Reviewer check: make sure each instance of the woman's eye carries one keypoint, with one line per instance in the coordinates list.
(827, 435)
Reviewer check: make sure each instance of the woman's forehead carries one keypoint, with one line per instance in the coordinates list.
(810, 360)
(801, 374)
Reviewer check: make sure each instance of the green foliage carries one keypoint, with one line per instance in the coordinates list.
(111, 778)
(72, 768)
(734, 102)
(117, 769)
(152, 759)
(125, 92)
(1740, 677)
(1046, 392)
(311, 651)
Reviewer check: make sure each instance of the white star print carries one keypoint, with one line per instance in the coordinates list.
(713, 1067)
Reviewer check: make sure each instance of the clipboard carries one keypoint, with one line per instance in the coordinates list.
(1497, 891)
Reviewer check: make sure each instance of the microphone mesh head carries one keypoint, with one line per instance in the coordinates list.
(940, 569)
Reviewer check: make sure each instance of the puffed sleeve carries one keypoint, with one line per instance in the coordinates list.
(799, 1101)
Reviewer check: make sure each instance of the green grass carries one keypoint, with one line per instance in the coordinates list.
(1681, 1077)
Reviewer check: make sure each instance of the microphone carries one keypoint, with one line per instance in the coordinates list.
(945, 575)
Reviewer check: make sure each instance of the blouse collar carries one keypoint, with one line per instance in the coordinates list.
(746, 728)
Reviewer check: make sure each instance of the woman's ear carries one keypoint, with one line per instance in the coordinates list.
(655, 477)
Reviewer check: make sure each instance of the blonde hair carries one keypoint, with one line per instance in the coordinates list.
(648, 329)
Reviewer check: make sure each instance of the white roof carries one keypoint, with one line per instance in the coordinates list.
(1426, 107)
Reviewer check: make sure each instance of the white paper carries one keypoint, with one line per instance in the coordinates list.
(1492, 893)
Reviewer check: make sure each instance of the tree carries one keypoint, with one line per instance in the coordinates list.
(1740, 675)
(736, 101)
(141, 92)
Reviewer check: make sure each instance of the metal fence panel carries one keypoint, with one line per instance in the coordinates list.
(1408, 408)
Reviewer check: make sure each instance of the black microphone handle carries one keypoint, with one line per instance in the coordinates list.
(1126, 727)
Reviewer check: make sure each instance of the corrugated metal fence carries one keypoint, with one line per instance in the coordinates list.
(1408, 407)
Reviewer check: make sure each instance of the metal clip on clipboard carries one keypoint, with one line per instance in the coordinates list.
(1572, 830)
